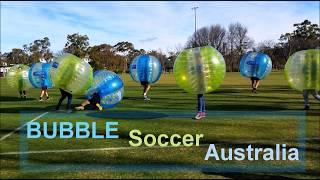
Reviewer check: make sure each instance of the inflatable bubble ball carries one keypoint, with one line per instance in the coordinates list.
(17, 77)
(71, 74)
(109, 86)
(255, 64)
(199, 70)
(145, 68)
(302, 70)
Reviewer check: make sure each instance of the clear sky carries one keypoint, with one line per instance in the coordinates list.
(148, 25)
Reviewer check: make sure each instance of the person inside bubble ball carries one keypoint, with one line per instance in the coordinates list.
(65, 94)
(254, 84)
(306, 93)
(200, 97)
(93, 103)
(146, 87)
(22, 91)
(201, 107)
(44, 89)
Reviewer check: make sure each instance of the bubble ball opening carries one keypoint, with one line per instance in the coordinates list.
(39, 75)
(199, 70)
(71, 73)
(255, 64)
(302, 70)
(18, 77)
(145, 68)
(109, 86)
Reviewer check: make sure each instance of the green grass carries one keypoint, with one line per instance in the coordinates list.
(235, 117)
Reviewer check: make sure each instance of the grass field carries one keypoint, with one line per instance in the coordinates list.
(235, 117)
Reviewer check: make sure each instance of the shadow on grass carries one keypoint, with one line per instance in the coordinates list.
(134, 98)
(308, 174)
(36, 109)
(246, 175)
(13, 98)
(128, 114)
(313, 112)
(237, 107)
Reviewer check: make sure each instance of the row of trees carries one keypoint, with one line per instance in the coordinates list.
(305, 36)
(30, 53)
(232, 42)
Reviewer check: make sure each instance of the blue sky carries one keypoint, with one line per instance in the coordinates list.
(149, 25)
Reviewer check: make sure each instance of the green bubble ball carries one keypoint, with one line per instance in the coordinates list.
(199, 70)
(71, 74)
(302, 70)
(17, 77)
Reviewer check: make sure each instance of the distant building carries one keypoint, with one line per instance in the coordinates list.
(4, 68)
(44, 61)
(87, 59)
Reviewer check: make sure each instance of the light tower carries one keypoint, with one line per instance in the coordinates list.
(195, 25)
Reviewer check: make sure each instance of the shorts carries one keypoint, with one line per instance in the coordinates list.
(143, 83)
(254, 78)
(91, 107)
(94, 100)
(44, 87)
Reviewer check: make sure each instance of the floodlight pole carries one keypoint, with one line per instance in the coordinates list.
(195, 25)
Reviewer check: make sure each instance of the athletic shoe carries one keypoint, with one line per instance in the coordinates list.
(48, 98)
(79, 108)
(203, 114)
(306, 107)
(254, 90)
(146, 98)
(198, 116)
(69, 111)
(40, 99)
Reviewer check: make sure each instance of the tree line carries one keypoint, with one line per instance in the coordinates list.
(232, 42)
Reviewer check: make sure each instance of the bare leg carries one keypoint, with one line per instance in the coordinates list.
(84, 103)
(257, 84)
(42, 93)
(146, 89)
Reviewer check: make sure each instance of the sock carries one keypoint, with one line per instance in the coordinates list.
(99, 106)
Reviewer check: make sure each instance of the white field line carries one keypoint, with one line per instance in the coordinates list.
(36, 118)
(100, 149)
(95, 149)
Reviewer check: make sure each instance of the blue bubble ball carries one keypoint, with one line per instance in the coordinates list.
(109, 86)
(145, 68)
(39, 75)
(255, 64)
